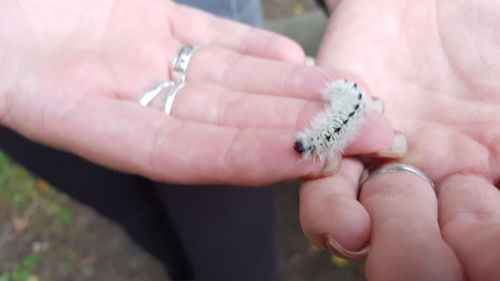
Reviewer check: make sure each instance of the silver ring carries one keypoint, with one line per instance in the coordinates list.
(152, 93)
(169, 98)
(181, 62)
(398, 168)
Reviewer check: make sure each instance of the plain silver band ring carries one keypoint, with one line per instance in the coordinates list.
(181, 62)
(398, 168)
(169, 98)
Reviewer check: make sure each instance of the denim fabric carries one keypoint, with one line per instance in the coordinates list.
(247, 11)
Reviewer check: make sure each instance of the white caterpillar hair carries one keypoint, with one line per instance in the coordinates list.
(335, 127)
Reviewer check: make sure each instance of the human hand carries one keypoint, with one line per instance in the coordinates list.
(436, 66)
(73, 73)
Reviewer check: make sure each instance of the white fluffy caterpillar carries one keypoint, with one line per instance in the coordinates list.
(334, 128)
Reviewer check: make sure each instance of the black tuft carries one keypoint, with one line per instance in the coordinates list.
(299, 147)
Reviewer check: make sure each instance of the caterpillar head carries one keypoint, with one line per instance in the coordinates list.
(303, 146)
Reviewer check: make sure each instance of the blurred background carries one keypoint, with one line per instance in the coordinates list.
(44, 235)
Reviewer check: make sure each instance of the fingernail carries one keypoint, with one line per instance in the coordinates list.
(309, 61)
(398, 149)
(332, 165)
(332, 246)
(378, 105)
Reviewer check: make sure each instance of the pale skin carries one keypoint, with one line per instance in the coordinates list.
(73, 72)
(436, 65)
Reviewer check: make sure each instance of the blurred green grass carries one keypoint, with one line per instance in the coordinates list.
(19, 190)
(29, 207)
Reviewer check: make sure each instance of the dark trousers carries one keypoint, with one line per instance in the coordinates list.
(211, 233)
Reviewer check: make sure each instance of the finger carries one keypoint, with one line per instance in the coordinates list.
(131, 138)
(192, 26)
(406, 243)
(239, 110)
(375, 136)
(469, 215)
(249, 74)
(234, 71)
(218, 106)
(232, 109)
(330, 215)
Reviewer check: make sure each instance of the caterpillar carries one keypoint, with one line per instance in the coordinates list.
(335, 127)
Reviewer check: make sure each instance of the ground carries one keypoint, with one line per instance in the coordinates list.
(45, 235)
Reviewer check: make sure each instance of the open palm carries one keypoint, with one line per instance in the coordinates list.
(75, 71)
(436, 66)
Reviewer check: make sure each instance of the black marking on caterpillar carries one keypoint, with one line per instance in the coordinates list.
(335, 127)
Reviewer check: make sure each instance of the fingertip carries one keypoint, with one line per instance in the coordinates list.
(350, 225)
(290, 51)
(329, 212)
(335, 218)
(276, 47)
(375, 135)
